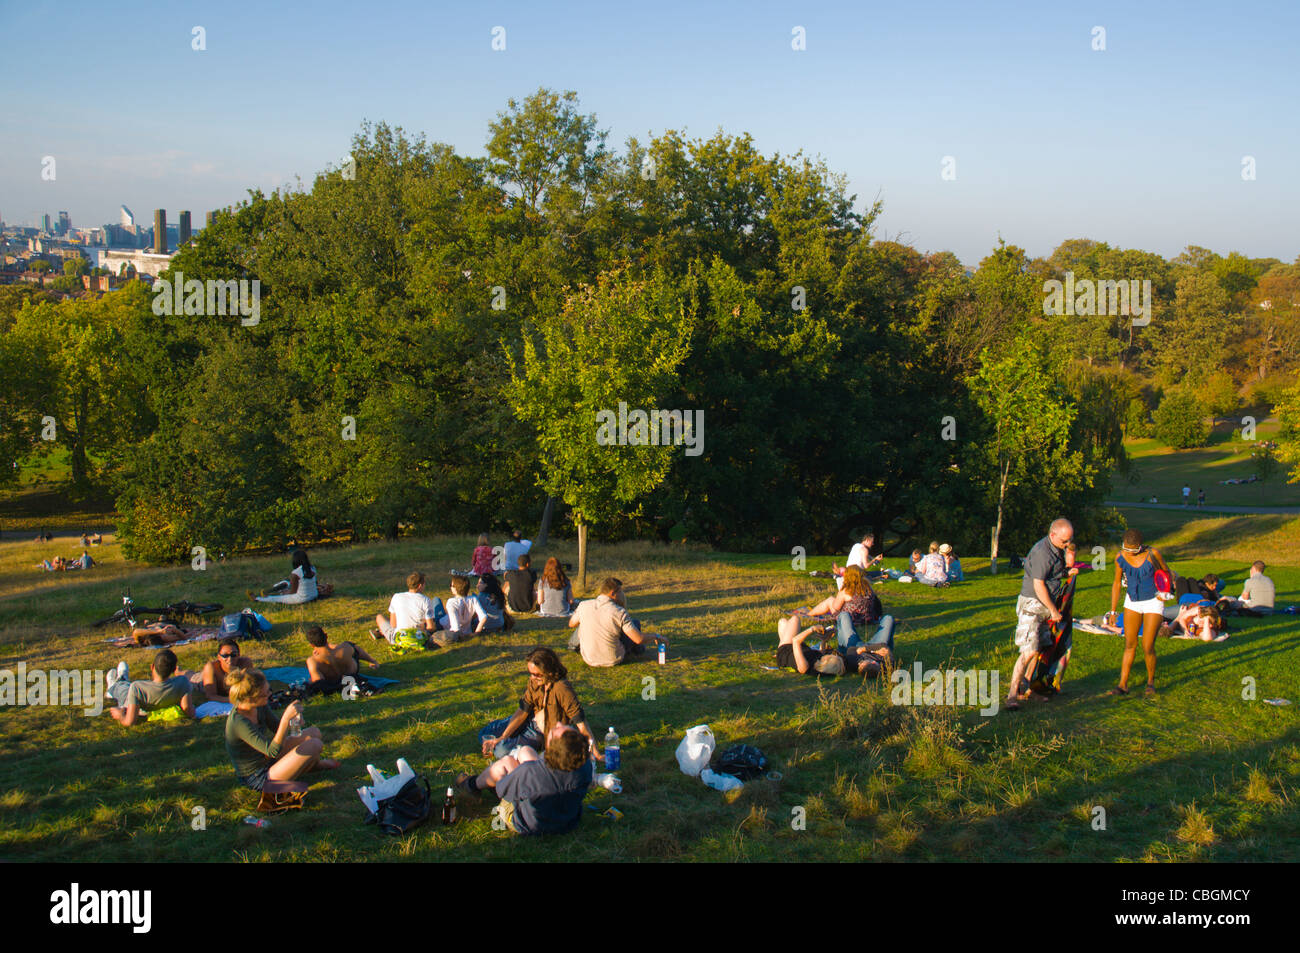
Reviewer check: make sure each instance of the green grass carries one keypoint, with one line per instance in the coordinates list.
(1198, 773)
(1161, 472)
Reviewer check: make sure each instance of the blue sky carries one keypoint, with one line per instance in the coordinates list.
(1140, 144)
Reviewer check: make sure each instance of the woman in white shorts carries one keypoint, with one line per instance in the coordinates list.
(1135, 567)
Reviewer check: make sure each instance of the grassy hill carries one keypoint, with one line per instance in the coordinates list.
(1161, 472)
(1197, 773)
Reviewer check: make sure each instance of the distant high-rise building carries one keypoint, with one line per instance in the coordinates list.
(65, 223)
(160, 231)
(45, 225)
(184, 236)
(212, 218)
(127, 217)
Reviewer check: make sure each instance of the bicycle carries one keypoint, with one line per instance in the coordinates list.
(176, 612)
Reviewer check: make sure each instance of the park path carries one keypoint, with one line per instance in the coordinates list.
(1252, 510)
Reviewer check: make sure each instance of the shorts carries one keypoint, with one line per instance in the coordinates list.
(1031, 616)
(257, 780)
(1152, 606)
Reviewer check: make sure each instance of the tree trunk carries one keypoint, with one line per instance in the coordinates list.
(582, 558)
(546, 522)
(997, 528)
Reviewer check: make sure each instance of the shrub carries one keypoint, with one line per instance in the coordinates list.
(1180, 421)
(1137, 422)
(1219, 394)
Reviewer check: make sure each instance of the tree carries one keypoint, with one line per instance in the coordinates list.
(1028, 416)
(1190, 343)
(1180, 421)
(76, 267)
(617, 342)
(1288, 439)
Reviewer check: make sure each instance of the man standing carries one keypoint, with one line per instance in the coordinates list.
(1187, 495)
(606, 633)
(1040, 594)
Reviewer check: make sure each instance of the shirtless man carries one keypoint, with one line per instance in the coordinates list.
(329, 664)
(214, 673)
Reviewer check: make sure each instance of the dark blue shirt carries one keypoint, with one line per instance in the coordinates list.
(546, 801)
(1047, 563)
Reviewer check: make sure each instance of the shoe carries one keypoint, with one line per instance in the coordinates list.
(462, 785)
(122, 669)
(376, 634)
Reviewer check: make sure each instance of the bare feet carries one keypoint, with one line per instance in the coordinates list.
(326, 764)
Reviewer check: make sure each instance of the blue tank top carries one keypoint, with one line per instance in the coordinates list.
(1141, 580)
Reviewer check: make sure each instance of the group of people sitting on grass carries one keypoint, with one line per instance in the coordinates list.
(939, 567)
(840, 621)
(60, 564)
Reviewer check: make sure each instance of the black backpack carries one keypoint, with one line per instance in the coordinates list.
(741, 761)
(405, 810)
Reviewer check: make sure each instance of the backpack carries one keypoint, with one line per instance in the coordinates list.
(248, 624)
(408, 640)
(741, 761)
(407, 809)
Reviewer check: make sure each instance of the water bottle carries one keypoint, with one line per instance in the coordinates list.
(257, 821)
(663, 653)
(449, 808)
(612, 758)
(295, 725)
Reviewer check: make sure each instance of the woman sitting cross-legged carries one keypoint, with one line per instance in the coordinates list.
(268, 757)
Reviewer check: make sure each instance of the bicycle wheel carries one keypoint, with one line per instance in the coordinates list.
(119, 616)
(195, 609)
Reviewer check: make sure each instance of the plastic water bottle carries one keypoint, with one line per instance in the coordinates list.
(612, 751)
(295, 725)
(257, 821)
(663, 653)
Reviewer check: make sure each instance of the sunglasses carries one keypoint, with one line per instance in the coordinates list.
(224, 655)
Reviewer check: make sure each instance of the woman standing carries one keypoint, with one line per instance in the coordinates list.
(1135, 567)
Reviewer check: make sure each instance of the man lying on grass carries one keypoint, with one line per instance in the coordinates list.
(539, 795)
(166, 688)
(868, 659)
(329, 664)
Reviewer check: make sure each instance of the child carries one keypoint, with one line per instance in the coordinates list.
(462, 610)
(482, 559)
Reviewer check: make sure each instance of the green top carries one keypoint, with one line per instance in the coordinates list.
(251, 747)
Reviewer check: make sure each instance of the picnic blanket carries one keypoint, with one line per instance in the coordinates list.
(200, 634)
(297, 675)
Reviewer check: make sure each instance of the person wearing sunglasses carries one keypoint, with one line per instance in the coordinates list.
(215, 671)
(549, 700)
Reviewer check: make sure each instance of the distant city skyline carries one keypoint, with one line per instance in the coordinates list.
(1141, 144)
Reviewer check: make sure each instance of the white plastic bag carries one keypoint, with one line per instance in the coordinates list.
(720, 782)
(695, 750)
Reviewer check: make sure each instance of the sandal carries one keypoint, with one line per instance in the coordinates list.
(1149, 691)
(1118, 691)
(1011, 704)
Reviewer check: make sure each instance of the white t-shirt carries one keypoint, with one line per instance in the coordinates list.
(461, 612)
(857, 556)
(306, 587)
(410, 609)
